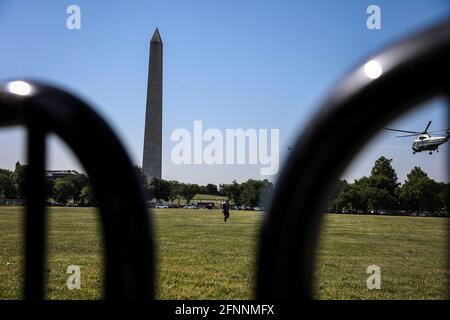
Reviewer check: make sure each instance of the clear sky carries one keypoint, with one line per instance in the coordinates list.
(231, 64)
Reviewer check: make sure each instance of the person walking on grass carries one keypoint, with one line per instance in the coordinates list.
(226, 210)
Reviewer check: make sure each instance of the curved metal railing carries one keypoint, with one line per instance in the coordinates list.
(378, 91)
(126, 227)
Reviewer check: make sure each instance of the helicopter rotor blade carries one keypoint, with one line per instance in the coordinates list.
(429, 123)
(445, 130)
(414, 132)
(436, 131)
(407, 135)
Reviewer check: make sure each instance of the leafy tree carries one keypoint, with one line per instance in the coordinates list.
(226, 190)
(252, 191)
(236, 192)
(174, 190)
(444, 195)
(87, 196)
(376, 192)
(63, 190)
(202, 190)
(143, 181)
(419, 192)
(349, 198)
(79, 181)
(266, 192)
(211, 189)
(384, 176)
(19, 180)
(335, 205)
(7, 187)
(49, 185)
(231, 191)
(159, 189)
(363, 195)
(188, 191)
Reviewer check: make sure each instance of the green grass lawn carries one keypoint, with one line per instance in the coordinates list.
(411, 252)
(201, 257)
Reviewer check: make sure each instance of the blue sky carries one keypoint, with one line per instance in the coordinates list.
(231, 64)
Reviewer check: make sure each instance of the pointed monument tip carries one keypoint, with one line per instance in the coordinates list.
(156, 36)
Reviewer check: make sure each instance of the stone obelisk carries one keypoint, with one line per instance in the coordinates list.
(151, 164)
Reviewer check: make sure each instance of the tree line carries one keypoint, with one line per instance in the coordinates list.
(377, 193)
(249, 193)
(73, 188)
(381, 192)
(76, 189)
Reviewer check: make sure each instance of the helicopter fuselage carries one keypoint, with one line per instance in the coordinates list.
(425, 142)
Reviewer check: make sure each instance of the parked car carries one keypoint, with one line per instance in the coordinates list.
(161, 206)
(72, 205)
(190, 206)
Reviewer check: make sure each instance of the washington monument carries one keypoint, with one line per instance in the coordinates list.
(151, 164)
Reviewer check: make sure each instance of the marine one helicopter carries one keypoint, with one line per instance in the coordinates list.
(424, 141)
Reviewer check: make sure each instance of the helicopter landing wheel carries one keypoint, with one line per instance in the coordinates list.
(414, 152)
(431, 152)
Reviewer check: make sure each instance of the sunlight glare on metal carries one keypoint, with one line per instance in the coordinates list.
(20, 88)
(373, 69)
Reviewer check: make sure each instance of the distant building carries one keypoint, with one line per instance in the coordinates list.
(52, 174)
(205, 204)
(56, 174)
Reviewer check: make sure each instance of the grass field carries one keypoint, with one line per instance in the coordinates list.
(201, 257)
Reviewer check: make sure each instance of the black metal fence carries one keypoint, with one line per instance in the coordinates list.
(126, 227)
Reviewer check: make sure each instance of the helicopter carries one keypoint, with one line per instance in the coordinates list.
(424, 141)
